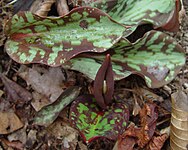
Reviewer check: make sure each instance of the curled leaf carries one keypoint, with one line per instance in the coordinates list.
(179, 121)
(93, 123)
(41, 7)
(104, 83)
(160, 13)
(49, 113)
(156, 57)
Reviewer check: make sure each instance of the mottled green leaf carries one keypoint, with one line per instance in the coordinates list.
(156, 56)
(136, 12)
(52, 41)
(49, 113)
(92, 123)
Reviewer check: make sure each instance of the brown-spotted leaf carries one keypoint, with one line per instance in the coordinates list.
(52, 41)
(104, 83)
(156, 57)
(160, 13)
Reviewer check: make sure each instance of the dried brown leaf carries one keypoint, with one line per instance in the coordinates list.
(9, 122)
(157, 142)
(15, 144)
(62, 7)
(15, 93)
(41, 7)
(46, 83)
(127, 140)
(148, 119)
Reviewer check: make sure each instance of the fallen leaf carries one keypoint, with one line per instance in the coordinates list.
(62, 130)
(62, 7)
(15, 93)
(46, 83)
(9, 122)
(157, 142)
(14, 144)
(139, 135)
(22, 5)
(92, 122)
(41, 7)
(19, 135)
(127, 140)
(148, 118)
(49, 113)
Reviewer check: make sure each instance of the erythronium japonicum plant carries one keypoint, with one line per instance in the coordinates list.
(95, 35)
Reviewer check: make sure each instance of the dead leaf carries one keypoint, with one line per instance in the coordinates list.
(62, 130)
(15, 144)
(41, 7)
(15, 93)
(157, 142)
(62, 7)
(148, 117)
(19, 135)
(22, 5)
(127, 140)
(46, 83)
(139, 135)
(9, 122)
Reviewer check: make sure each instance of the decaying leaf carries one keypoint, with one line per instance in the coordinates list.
(92, 123)
(21, 5)
(49, 113)
(104, 84)
(53, 41)
(127, 140)
(15, 93)
(9, 122)
(179, 121)
(62, 7)
(41, 7)
(139, 135)
(157, 142)
(62, 130)
(14, 144)
(148, 117)
(47, 84)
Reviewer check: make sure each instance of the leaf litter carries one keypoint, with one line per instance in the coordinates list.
(39, 138)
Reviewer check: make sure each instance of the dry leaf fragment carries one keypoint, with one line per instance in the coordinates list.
(127, 140)
(9, 122)
(157, 142)
(148, 117)
(15, 93)
(46, 83)
(62, 7)
(15, 144)
(41, 7)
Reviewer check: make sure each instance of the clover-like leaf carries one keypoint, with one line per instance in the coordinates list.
(135, 12)
(49, 113)
(156, 57)
(52, 41)
(92, 123)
